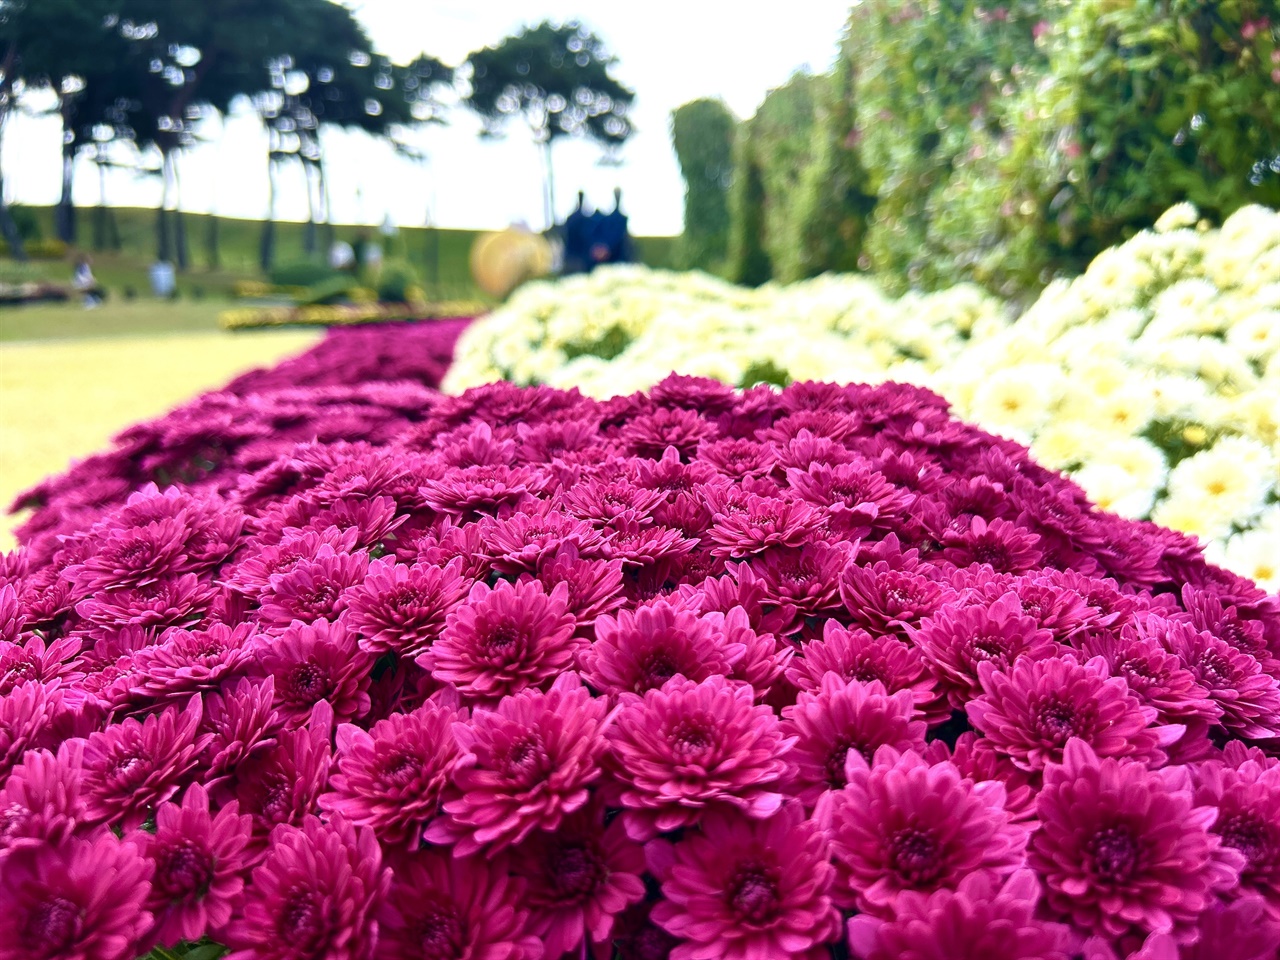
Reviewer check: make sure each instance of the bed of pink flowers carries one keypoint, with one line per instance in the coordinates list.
(691, 675)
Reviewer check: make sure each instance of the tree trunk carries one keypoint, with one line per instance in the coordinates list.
(100, 214)
(326, 216)
(164, 246)
(549, 202)
(9, 229)
(309, 232)
(65, 214)
(179, 224)
(267, 251)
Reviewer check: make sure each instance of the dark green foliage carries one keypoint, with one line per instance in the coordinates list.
(394, 281)
(332, 289)
(749, 261)
(300, 273)
(702, 133)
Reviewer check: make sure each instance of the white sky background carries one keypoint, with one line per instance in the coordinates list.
(668, 51)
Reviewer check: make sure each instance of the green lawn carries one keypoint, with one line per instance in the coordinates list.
(116, 317)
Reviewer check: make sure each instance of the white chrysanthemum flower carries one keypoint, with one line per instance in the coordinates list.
(1177, 216)
(1113, 488)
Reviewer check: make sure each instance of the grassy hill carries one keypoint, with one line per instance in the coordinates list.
(439, 256)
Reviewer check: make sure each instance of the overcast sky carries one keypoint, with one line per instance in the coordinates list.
(668, 51)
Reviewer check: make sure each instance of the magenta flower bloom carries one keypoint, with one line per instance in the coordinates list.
(283, 783)
(739, 889)
(314, 662)
(902, 824)
(1248, 800)
(132, 557)
(313, 589)
(41, 801)
(1124, 850)
(131, 767)
(802, 581)
(504, 640)
(242, 722)
(766, 522)
(1157, 677)
(186, 662)
(392, 778)
(27, 715)
(854, 654)
(579, 878)
(1241, 930)
(316, 894)
(957, 638)
(520, 542)
(443, 907)
(199, 861)
(857, 497)
(641, 650)
(81, 899)
(979, 920)
(527, 764)
(840, 718)
(400, 609)
(1029, 712)
(595, 586)
(1002, 545)
(882, 598)
(692, 747)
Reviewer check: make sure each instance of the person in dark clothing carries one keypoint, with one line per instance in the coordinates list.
(577, 238)
(612, 234)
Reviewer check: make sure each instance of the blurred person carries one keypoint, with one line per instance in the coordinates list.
(613, 233)
(341, 255)
(577, 238)
(84, 283)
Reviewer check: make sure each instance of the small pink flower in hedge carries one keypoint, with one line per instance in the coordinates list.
(688, 748)
(579, 878)
(199, 862)
(392, 778)
(41, 801)
(81, 899)
(317, 661)
(316, 894)
(642, 649)
(400, 609)
(1125, 850)
(957, 638)
(442, 907)
(1030, 711)
(843, 717)
(739, 888)
(504, 640)
(133, 766)
(904, 824)
(979, 920)
(525, 766)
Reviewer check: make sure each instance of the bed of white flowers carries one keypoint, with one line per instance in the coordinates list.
(1153, 378)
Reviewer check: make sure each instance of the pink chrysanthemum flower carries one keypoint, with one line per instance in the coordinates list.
(199, 860)
(641, 650)
(1125, 850)
(12, 617)
(175, 602)
(1156, 676)
(41, 800)
(977, 760)
(82, 899)
(283, 783)
(980, 920)
(1241, 930)
(316, 894)
(520, 542)
(443, 907)
(804, 581)
(27, 715)
(313, 589)
(402, 610)
(841, 718)
(766, 522)
(1248, 696)
(639, 543)
(242, 721)
(692, 747)
(958, 638)
(35, 661)
(579, 878)
(252, 575)
(600, 501)
(186, 662)
(765, 657)
(132, 767)
(881, 598)
(738, 458)
(473, 491)
(854, 654)
(314, 662)
(1004, 546)
(504, 640)
(650, 435)
(1031, 710)
(902, 824)
(595, 586)
(392, 778)
(1248, 802)
(857, 497)
(132, 557)
(526, 766)
(739, 889)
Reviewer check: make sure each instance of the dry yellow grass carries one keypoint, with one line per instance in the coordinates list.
(63, 400)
